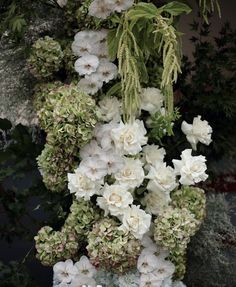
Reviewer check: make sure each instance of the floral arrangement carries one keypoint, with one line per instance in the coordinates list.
(133, 209)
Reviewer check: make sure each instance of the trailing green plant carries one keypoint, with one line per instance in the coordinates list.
(207, 7)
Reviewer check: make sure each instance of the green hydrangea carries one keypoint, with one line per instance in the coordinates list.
(53, 246)
(191, 198)
(54, 164)
(112, 249)
(46, 57)
(174, 227)
(69, 117)
(178, 258)
(69, 62)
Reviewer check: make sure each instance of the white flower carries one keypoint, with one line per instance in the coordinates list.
(167, 283)
(162, 178)
(132, 174)
(81, 48)
(101, 51)
(178, 284)
(121, 5)
(83, 281)
(85, 268)
(164, 269)
(136, 220)
(151, 100)
(190, 168)
(109, 109)
(90, 149)
(82, 186)
(100, 8)
(153, 154)
(156, 202)
(62, 3)
(113, 160)
(147, 262)
(103, 134)
(93, 168)
(149, 280)
(90, 86)
(64, 272)
(130, 137)
(199, 131)
(115, 199)
(129, 280)
(86, 65)
(107, 71)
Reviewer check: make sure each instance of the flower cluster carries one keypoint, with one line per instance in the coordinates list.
(93, 63)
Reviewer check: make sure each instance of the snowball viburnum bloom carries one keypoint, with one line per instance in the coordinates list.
(156, 202)
(64, 272)
(109, 109)
(85, 268)
(93, 167)
(199, 131)
(86, 65)
(132, 174)
(153, 154)
(83, 186)
(136, 221)
(162, 178)
(130, 137)
(190, 168)
(115, 199)
(151, 100)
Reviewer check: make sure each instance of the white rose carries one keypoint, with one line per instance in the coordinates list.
(153, 154)
(190, 168)
(109, 109)
(130, 137)
(136, 221)
(115, 199)
(199, 131)
(151, 100)
(103, 134)
(132, 174)
(93, 167)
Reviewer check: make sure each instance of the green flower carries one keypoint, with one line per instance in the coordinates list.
(112, 249)
(46, 57)
(178, 258)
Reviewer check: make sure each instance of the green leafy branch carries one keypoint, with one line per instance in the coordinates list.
(208, 7)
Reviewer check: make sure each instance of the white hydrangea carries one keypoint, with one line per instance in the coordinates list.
(153, 154)
(129, 137)
(191, 168)
(199, 131)
(115, 199)
(109, 108)
(132, 174)
(136, 221)
(156, 202)
(85, 268)
(83, 186)
(86, 65)
(151, 100)
(64, 272)
(93, 167)
(90, 86)
(162, 178)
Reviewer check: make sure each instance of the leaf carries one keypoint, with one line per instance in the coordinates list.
(114, 90)
(176, 8)
(113, 43)
(143, 10)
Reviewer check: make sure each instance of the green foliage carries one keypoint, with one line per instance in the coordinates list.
(207, 7)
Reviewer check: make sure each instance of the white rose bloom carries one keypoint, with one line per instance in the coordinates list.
(151, 100)
(156, 202)
(115, 199)
(153, 154)
(86, 65)
(64, 272)
(130, 137)
(136, 221)
(83, 186)
(121, 5)
(149, 280)
(62, 3)
(90, 86)
(109, 108)
(83, 281)
(190, 168)
(107, 71)
(103, 134)
(85, 268)
(90, 149)
(100, 8)
(162, 178)
(93, 167)
(164, 269)
(132, 174)
(199, 131)
(113, 160)
(147, 262)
